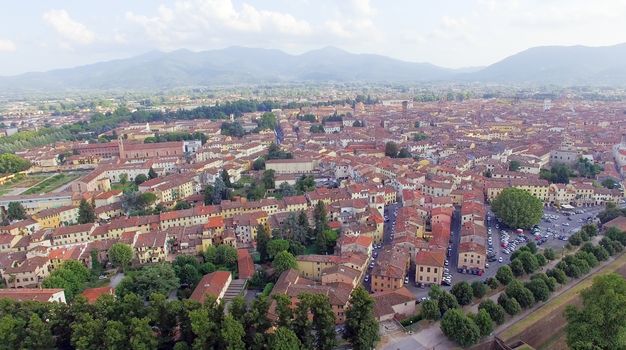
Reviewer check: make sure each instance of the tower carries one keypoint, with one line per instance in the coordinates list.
(120, 145)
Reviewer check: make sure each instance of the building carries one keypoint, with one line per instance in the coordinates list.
(290, 166)
(45, 295)
(394, 304)
(429, 266)
(214, 284)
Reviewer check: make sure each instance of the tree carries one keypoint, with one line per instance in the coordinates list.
(361, 324)
(262, 239)
(226, 178)
(123, 178)
(301, 324)
(86, 212)
(181, 205)
(141, 178)
(284, 261)
(495, 311)
(510, 305)
(141, 335)
(430, 310)
(539, 288)
(391, 149)
(208, 195)
(10, 163)
(479, 289)
(284, 339)
(523, 295)
(484, 322)
(71, 276)
(463, 292)
(276, 246)
(601, 322)
(504, 275)
(404, 153)
(321, 225)
(492, 282)
(160, 278)
(460, 328)
(447, 302)
(152, 174)
(558, 274)
(549, 254)
(38, 334)
(232, 334)
(517, 267)
(517, 208)
(529, 261)
(225, 255)
(115, 336)
(258, 164)
(323, 322)
(16, 211)
(283, 310)
(514, 165)
(120, 255)
(268, 178)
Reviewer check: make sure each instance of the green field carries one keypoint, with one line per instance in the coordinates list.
(21, 181)
(51, 183)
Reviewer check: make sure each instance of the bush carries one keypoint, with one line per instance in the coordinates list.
(409, 321)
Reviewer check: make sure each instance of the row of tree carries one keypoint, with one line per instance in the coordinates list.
(466, 330)
(128, 322)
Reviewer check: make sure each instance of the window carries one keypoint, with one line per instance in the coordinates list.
(435, 270)
(428, 269)
(421, 268)
(427, 278)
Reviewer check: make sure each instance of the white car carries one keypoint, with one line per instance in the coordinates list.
(500, 260)
(367, 278)
(406, 279)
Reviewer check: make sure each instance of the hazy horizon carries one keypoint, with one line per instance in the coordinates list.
(474, 33)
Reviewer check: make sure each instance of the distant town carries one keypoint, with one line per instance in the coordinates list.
(395, 219)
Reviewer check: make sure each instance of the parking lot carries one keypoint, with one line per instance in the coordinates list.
(554, 229)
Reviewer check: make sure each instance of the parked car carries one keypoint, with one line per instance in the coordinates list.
(500, 259)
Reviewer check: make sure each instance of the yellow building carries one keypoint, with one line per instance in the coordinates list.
(54, 217)
(311, 266)
(429, 266)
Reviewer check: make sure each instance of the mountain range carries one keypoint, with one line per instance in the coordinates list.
(560, 65)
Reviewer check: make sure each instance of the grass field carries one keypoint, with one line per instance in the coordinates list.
(567, 297)
(51, 183)
(21, 181)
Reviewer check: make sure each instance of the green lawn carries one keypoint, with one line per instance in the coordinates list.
(51, 183)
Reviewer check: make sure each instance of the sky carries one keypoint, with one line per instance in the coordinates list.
(40, 35)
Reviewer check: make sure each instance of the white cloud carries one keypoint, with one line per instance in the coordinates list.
(70, 29)
(196, 21)
(7, 45)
